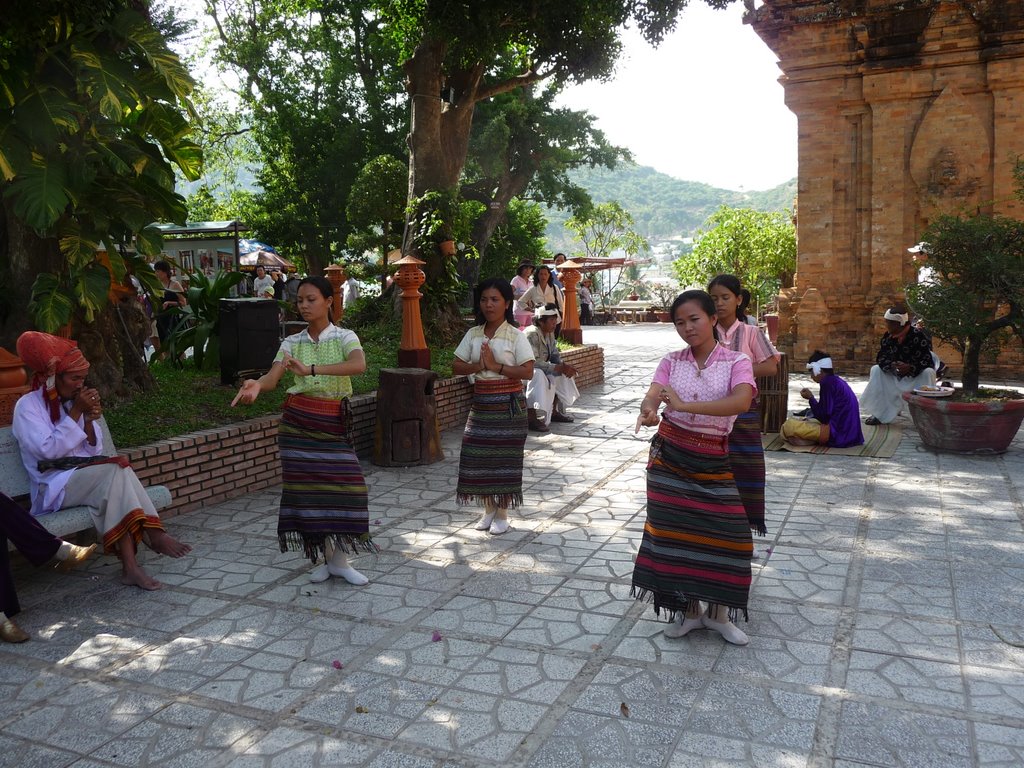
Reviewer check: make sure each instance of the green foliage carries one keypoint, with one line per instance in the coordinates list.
(605, 231)
(973, 295)
(757, 247)
(94, 116)
(376, 207)
(520, 238)
(199, 324)
(318, 97)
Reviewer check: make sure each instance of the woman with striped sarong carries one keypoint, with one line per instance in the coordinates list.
(324, 511)
(746, 454)
(697, 545)
(498, 357)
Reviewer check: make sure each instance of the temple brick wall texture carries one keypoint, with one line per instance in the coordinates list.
(906, 110)
(217, 464)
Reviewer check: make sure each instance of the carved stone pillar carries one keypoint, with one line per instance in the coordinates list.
(412, 350)
(335, 274)
(569, 274)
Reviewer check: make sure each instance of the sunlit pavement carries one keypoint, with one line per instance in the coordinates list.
(885, 624)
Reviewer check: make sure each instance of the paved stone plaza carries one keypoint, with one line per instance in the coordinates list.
(886, 624)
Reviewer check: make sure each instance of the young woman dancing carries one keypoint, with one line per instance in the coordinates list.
(499, 358)
(697, 544)
(745, 450)
(324, 510)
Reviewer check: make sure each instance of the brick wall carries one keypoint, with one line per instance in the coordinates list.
(217, 464)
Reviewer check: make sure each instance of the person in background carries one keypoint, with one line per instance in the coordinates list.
(697, 545)
(552, 389)
(542, 293)
(586, 301)
(836, 421)
(279, 285)
(497, 358)
(520, 285)
(324, 510)
(263, 285)
(555, 279)
(903, 363)
(173, 297)
(350, 292)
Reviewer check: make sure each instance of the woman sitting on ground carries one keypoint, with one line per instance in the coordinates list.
(836, 421)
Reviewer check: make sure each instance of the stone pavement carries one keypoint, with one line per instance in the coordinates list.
(885, 625)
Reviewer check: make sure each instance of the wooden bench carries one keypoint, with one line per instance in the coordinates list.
(14, 482)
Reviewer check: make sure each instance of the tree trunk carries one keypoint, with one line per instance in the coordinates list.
(439, 132)
(24, 255)
(971, 374)
(510, 186)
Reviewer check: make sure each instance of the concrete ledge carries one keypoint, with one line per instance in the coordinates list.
(213, 465)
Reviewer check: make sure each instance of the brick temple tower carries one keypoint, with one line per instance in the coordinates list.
(906, 109)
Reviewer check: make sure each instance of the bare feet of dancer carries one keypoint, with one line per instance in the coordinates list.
(163, 543)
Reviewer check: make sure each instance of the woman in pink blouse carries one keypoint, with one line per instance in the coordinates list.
(745, 451)
(697, 544)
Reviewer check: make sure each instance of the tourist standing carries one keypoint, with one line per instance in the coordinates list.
(324, 500)
(498, 358)
(746, 454)
(697, 544)
(520, 285)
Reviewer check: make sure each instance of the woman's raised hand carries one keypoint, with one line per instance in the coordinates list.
(247, 393)
(648, 418)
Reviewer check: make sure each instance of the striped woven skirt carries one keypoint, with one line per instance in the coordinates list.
(491, 462)
(696, 543)
(323, 491)
(746, 455)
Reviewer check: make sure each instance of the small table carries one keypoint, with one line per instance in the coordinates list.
(632, 307)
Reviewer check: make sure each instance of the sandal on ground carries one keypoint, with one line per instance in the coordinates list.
(872, 421)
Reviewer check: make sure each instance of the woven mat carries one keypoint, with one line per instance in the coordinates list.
(880, 441)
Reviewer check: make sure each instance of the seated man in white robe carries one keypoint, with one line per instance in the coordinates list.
(62, 450)
(552, 388)
(904, 363)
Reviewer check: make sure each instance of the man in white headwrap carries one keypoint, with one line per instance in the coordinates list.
(904, 363)
(552, 388)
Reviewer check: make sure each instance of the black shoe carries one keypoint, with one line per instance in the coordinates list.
(561, 418)
(802, 414)
(872, 421)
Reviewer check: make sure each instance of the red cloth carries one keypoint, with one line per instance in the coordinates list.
(47, 355)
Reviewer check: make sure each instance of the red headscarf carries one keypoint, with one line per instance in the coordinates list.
(48, 355)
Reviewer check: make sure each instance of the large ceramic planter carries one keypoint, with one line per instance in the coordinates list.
(951, 426)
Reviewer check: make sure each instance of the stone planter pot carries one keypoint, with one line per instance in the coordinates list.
(664, 317)
(952, 426)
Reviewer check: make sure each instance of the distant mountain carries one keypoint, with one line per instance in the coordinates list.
(662, 206)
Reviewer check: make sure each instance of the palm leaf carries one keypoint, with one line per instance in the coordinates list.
(14, 152)
(76, 247)
(50, 305)
(91, 288)
(40, 192)
(47, 115)
(149, 241)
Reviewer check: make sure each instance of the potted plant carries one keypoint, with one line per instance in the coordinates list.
(971, 297)
(664, 295)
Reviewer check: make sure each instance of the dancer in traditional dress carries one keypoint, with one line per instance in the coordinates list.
(697, 544)
(324, 500)
(746, 454)
(498, 357)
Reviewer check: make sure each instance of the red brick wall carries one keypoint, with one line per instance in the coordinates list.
(217, 464)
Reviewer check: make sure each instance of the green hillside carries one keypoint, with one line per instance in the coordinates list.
(662, 206)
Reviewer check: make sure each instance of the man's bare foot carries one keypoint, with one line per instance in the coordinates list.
(136, 577)
(164, 544)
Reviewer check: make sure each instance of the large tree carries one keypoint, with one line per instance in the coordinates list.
(451, 53)
(94, 117)
(321, 90)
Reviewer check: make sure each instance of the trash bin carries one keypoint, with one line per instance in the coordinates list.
(250, 335)
(406, 433)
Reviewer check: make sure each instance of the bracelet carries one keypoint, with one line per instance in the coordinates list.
(312, 370)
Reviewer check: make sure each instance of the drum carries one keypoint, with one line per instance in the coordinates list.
(773, 394)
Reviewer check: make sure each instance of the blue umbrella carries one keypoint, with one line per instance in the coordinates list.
(249, 246)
